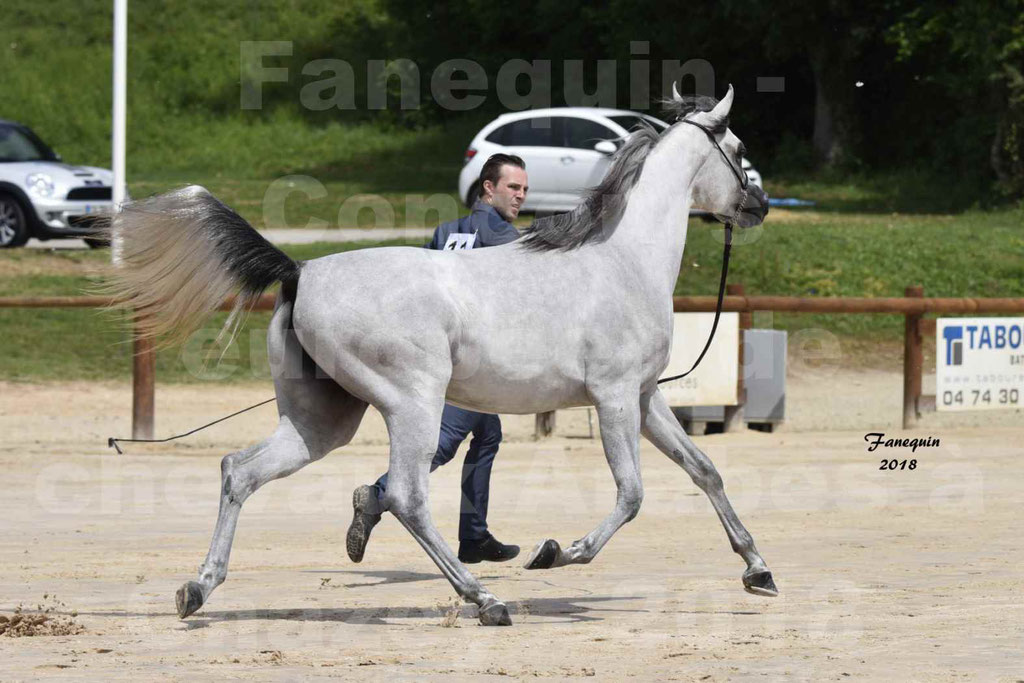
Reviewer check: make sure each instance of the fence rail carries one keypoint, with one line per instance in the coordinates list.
(913, 306)
(904, 305)
(265, 302)
(681, 304)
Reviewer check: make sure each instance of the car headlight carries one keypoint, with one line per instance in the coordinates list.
(40, 184)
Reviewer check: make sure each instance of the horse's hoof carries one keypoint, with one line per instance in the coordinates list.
(544, 555)
(189, 598)
(495, 614)
(760, 583)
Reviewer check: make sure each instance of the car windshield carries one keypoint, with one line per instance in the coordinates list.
(20, 144)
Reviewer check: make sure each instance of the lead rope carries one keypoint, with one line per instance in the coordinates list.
(718, 308)
(113, 442)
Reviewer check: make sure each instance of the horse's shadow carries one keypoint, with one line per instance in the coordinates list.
(572, 610)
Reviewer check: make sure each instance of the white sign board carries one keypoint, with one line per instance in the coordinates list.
(713, 383)
(979, 363)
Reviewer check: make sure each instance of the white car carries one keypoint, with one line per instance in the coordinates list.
(566, 150)
(41, 196)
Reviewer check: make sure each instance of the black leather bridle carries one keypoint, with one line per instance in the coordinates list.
(744, 182)
(741, 177)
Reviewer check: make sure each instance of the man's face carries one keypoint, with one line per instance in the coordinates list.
(508, 195)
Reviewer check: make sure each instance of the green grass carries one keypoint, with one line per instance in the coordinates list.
(186, 123)
(184, 70)
(802, 253)
(283, 173)
(915, 191)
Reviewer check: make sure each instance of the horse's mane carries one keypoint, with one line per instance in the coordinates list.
(690, 104)
(603, 204)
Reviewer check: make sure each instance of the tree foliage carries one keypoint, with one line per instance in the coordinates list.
(975, 58)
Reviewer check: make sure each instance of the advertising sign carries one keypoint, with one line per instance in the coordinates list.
(979, 363)
(713, 383)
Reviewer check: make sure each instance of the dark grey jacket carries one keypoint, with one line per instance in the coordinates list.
(484, 222)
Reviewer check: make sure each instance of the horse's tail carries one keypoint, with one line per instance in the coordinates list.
(178, 256)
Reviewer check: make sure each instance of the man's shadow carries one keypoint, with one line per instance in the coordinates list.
(385, 577)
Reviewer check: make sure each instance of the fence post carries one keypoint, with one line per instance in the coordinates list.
(912, 360)
(143, 388)
(734, 414)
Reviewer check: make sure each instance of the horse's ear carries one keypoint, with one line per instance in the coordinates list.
(676, 97)
(721, 111)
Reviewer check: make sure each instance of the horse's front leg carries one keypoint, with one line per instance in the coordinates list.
(662, 428)
(620, 433)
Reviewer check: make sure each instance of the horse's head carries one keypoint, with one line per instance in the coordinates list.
(720, 186)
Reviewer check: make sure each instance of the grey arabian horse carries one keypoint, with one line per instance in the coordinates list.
(577, 313)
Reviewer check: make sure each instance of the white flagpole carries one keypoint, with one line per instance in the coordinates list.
(120, 78)
(144, 362)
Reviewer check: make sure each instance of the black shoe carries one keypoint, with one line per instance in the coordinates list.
(488, 548)
(366, 514)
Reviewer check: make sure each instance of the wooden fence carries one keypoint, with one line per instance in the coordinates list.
(913, 307)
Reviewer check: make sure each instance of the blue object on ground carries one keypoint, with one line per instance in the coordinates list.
(776, 201)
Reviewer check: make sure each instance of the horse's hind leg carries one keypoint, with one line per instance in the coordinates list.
(414, 432)
(663, 430)
(241, 474)
(316, 416)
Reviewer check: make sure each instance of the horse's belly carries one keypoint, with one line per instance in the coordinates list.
(509, 364)
(501, 393)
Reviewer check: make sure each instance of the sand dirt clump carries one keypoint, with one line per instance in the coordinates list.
(50, 618)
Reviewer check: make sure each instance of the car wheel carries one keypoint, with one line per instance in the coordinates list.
(473, 194)
(13, 224)
(96, 242)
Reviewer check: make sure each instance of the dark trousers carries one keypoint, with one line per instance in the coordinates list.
(456, 425)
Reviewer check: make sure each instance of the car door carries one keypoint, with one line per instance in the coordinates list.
(582, 167)
(534, 140)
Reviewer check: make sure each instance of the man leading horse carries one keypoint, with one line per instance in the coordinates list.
(503, 187)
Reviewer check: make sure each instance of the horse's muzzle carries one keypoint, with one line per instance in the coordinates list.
(753, 209)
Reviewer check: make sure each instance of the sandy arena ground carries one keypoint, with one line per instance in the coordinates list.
(905, 575)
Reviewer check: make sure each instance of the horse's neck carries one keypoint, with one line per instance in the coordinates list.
(652, 230)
